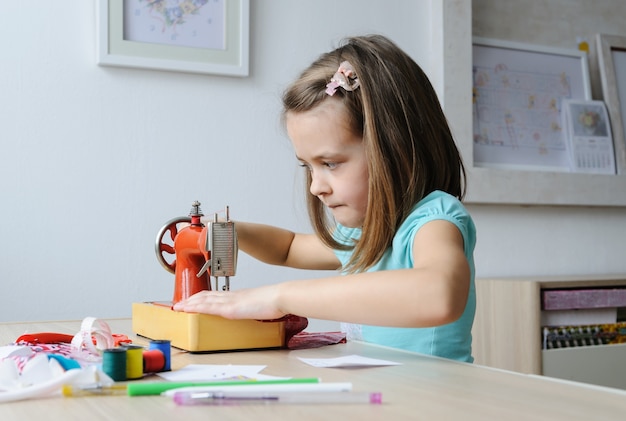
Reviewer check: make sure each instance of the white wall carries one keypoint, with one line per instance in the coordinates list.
(96, 160)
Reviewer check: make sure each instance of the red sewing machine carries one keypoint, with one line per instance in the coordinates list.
(200, 252)
(195, 252)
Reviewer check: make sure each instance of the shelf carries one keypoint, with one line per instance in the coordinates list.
(507, 329)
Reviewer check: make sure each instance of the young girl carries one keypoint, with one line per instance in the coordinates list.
(385, 182)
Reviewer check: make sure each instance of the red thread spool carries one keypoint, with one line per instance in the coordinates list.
(153, 361)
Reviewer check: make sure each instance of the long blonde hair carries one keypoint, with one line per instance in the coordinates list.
(409, 147)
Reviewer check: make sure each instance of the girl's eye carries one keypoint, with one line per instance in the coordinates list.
(329, 165)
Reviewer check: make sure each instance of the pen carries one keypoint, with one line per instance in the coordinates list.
(266, 388)
(156, 388)
(246, 398)
(76, 391)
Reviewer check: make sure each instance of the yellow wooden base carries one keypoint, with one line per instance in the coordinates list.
(203, 332)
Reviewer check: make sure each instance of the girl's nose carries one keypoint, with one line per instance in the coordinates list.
(319, 186)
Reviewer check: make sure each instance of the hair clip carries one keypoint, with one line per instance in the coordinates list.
(344, 78)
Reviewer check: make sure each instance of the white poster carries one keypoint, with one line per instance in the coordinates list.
(184, 23)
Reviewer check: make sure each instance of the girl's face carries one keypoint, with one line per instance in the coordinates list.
(335, 157)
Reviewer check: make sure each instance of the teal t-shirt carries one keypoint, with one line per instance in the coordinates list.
(453, 340)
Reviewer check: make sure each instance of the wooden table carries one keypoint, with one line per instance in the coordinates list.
(421, 388)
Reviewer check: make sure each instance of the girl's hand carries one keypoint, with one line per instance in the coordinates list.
(254, 303)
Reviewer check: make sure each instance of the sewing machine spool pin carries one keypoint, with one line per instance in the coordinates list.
(222, 248)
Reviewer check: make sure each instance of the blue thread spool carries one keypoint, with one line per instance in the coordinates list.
(114, 363)
(162, 345)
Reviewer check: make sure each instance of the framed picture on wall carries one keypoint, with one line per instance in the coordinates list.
(517, 94)
(611, 52)
(196, 36)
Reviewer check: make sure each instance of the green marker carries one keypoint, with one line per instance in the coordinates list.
(156, 388)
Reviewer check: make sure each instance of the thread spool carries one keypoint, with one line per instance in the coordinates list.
(162, 345)
(114, 363)
(134, 361)
(153, 361)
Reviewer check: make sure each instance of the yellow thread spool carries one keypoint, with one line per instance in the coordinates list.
(134, 362)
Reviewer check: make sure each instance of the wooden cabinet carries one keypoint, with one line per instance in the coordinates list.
(507, 332)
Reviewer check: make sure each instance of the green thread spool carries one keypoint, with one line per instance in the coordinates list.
(134, 361)
(114, 363)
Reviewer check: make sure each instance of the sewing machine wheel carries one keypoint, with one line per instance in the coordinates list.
(166, 245)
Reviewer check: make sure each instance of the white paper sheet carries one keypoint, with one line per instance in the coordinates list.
(210, 372)
(347, 361)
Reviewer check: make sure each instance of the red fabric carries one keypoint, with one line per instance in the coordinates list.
(296, 338)
(306, 340)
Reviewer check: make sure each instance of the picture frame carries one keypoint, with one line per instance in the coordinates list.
(142, 34)
(517, 93)
(611, 56)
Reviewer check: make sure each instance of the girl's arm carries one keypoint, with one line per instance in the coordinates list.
(277, 246)
(433, 292)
